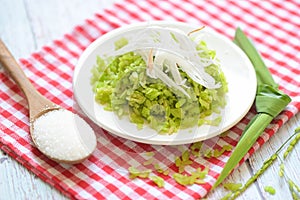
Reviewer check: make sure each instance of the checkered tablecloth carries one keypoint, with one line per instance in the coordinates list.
(273, 25)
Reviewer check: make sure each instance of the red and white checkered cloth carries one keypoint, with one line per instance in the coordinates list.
(273, 25)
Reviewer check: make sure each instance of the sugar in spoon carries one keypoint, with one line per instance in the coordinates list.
(58, 133)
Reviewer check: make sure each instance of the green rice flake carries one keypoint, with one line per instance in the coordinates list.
(121, 85)
(148, 162)
(270, 190)
(195, 148)
(150, 153)
(183, 179)
(224, 134)
(208, 153)
(158, 181)
(232, 186)
(120, 43)
(200, 174)
(195, 177)
(174, 37)
(160, 170)
(183, 161)
(134, 173)
(281, 170)
(215, 153)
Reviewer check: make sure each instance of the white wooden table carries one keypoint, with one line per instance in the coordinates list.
(27, 25)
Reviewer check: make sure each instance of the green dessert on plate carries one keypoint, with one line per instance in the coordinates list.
(162, 78)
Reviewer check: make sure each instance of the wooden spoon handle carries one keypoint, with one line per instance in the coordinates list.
(14, 70)
(36, 101)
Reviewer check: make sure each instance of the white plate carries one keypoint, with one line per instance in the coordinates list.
(235, 64)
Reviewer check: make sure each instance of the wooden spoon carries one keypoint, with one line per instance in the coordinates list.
(39, 106)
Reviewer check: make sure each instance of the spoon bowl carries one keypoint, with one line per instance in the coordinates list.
(82, 141)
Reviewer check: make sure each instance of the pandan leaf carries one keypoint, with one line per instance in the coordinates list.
(269, 102)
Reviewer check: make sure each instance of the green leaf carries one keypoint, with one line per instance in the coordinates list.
(262, 72)
(257, 126)
(269, 102)
(267, 163)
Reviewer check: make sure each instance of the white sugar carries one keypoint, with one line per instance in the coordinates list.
(62, 135)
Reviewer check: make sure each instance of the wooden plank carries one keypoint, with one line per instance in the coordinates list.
(292, 163)
(25, 26)
(15, 28)
(270, 177)
(15, 181)
(238, 176)
(51, 19)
